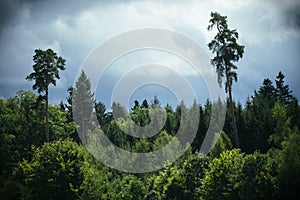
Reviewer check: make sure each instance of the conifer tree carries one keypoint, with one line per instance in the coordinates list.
(227, 51)
(82, 104)
(46, 72)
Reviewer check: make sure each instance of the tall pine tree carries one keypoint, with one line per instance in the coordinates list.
(46, 72)
(227, 51)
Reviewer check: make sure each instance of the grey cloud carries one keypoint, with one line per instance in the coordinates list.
(42, 11)
(9, 12)
(29, 24)
(290, 12)
(293, 16)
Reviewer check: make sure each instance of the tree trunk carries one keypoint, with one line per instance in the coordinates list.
(47, 115)
(235, 131)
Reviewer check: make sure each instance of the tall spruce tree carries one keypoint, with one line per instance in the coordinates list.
(227, 51)
(46, 72)
(82, 104)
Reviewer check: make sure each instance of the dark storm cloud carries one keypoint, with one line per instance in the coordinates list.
(9, 11)
(29, 24)
(41, 10)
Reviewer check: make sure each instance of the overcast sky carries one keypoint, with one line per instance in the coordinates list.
(270, 31)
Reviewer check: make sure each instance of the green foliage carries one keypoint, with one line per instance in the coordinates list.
(131, 187)
(56, 170)
(161, 141)
(234, 175)
(257, 178)
(22, 126)
(59, 126)
(141, 146)
(46, 69)
(259, 124)
(180, 181)
(222, 179)
(226, 48)
(283, 92)
(223, 143)
(193, 171)
(11, 188)
(152, 195)
(163, 180)
(282, 129)
(82, 105)
(100, 112)
(293, 111)
(140, 116)
(99, 183)
(7, 138)
(289, 170)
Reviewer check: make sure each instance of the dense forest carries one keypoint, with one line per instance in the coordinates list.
(266, 166)
(43, 153)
